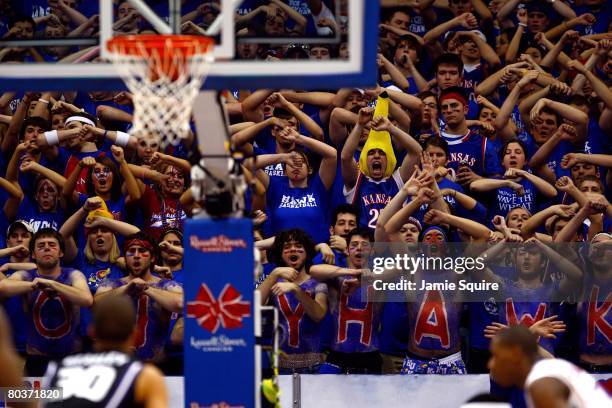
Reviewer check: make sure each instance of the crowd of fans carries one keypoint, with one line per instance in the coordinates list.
(499, 118)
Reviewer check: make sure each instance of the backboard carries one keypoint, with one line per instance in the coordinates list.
(359, 33)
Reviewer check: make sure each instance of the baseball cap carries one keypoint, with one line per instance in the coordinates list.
(19, 223)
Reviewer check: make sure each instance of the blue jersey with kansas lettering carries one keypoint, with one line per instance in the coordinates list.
(371, 196)
(469, 149)
(53, 318)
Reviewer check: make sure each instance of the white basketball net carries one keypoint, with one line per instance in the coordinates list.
(162, 102)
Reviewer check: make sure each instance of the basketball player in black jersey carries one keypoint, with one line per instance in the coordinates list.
(109, 376)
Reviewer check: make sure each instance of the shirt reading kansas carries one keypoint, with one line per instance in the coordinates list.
(371, 196)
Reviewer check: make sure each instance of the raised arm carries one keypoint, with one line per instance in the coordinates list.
(542, 185)
(69, 187)
(32, 166)
(584, 19)
(350, 170)
(396, 76)
(327, 168)
(299, 19)
(600, 88)
(310, 125)
(513, 47)
(251, 106)
(531, 225)
(410, 188)
(477, 231)
(467, 20)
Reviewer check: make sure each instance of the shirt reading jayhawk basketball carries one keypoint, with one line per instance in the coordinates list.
(303, 335)
(53, 318)
(371, 196)
(152, 321)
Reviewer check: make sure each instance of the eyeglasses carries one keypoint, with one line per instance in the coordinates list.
(364, 244)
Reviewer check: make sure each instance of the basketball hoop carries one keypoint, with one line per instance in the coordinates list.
(165, 74)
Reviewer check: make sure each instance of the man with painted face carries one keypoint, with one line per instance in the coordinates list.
(53, 295)
(155, 298)
(516, 361)
(301, 300)
(355, 344)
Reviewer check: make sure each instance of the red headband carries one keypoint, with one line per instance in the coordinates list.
(453, 95)
(137, 241)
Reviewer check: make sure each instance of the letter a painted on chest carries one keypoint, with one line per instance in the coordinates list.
(432, 320)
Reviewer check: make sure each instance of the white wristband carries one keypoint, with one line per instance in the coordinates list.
(52, 137)
(43, 101)
(122, 139)
(523, 25)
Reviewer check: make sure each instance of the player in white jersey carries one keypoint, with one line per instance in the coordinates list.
(516, 361)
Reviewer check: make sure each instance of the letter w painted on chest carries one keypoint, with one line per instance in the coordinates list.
(293, 317)
(526, 318)
(432, 319)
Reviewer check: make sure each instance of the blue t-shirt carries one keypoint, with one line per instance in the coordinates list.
(306, 208)
(504, 199)
(28, 211)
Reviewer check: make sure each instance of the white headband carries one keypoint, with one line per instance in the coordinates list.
(82, 119)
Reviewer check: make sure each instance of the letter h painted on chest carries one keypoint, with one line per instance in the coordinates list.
(348, 315)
